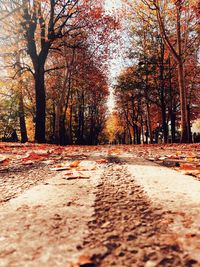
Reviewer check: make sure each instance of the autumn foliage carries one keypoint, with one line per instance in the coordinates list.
(56, 79)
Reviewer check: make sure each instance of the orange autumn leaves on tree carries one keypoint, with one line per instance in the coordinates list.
(46, 30)
(113, 127)
(58, 49)
(162, 49)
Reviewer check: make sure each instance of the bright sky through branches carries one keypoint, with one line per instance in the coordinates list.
(113, 6)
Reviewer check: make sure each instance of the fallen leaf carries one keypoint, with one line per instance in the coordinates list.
(101, 161)
(85, 260)
(151, 159)
(191, 159)
(187, 167)
(162, 158)
(191, 172)
(190, 235)
(173, 157)
(82, 168)
(4, 161)
(69, 173)
(105, 225)
(74, 164)
(33, 156)
(60, 168)
(77, 177)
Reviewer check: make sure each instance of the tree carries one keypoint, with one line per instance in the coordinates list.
(43, 23)
(23, 130)
(176, 49)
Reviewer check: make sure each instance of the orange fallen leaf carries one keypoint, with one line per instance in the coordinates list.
(69, 173)
(74, 164)
(101, 161)
(191, 154)
(4, 161)
(187, 167)
(84, 259)
(115, 151)
(173, 157)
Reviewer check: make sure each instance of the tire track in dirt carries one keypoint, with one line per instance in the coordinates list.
(15, 181)
(45, 225)
(127, 230)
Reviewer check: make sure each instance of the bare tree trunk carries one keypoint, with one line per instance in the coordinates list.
(183, 104)
(162, 95)
(23, 131)
(189, 124)
(173, 126)
(63, 103)
(178, 57)
(40, 95)
(149, 124)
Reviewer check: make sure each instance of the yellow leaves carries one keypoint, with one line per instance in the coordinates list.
(191, 159)
(115, 151)
(80, 170)
(76, 169)
(113, 127)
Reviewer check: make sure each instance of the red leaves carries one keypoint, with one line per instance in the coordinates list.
(34, 157)
(186, 167)
(101, 161)
(190, 169)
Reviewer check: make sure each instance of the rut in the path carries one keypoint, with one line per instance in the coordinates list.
(127, 230)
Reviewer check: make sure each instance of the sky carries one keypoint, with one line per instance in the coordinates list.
(113, 4)
(116, 64)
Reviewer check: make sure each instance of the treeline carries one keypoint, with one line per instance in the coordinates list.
(158, 95)
(55, 86)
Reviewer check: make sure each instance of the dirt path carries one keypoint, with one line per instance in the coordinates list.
(128, 230)
(120, 214)
(45, 225)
